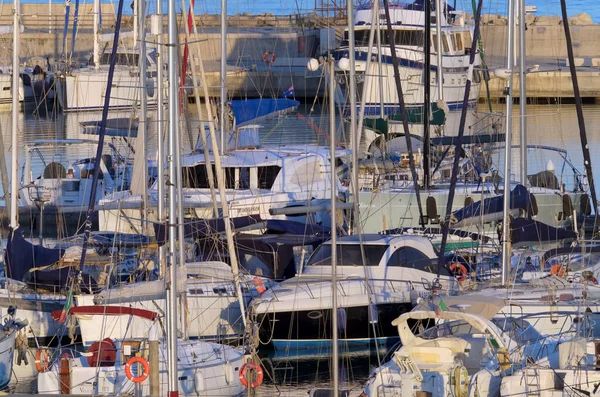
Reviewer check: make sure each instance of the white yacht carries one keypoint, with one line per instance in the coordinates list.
(84, 88)
(296, 314)
(259, 180)
(408, 25)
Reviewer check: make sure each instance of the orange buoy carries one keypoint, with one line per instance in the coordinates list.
(257, 369)
(459, 269)
(145, 367)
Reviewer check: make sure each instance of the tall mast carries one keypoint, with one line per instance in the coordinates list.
(223, 72)
(440, 51)
(522, 93)
(96, 34)
(426, 93)
(506, 249)
(14, 183)
(587, 160)
(160, 114)
(142, 121)
(334, 304)
(174, 180)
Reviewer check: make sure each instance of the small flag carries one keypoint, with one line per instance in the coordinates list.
(289, 92)
(65, 310)
(441, 307)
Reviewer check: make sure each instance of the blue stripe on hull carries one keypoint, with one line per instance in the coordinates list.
(324, 345)
(373, 109)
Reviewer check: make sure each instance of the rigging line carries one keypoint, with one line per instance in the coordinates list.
(101, 135)
(578, 107)
(396, 65)
(458, 149)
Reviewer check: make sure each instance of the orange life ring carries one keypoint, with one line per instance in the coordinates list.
(269, 57)
(557, 270)
(460, 269)
(42, 360)
(257, 370)
(258, 284)
(145, 366)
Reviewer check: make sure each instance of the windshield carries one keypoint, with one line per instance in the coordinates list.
(348, 255)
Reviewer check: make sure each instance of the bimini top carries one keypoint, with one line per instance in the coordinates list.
(480, 324)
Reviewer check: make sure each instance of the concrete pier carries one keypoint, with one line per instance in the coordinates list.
(295, 38)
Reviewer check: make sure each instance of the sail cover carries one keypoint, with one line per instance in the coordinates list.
(491, 208)
(21, 256)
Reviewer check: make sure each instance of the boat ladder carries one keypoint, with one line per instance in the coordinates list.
(532, 381)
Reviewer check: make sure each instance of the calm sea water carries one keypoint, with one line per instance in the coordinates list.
(285, 7)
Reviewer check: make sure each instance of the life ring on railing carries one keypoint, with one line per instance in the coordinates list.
(257, 369)
(269, 57)
(42, 360)
(557, 270)
(459, 269)
(145, 367)
(594, 280)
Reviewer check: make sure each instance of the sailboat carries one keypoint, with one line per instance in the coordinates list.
(125, 366)
(82, 89)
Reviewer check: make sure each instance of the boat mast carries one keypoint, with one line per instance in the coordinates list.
(160, 114)
(142, 120)
(426, 94)
(459, 138)
(173, 96)
(402, 106)
(506, 246)
(334, 304)
(522, 93)
(438, 39)
(587, 160)
(14, 183)
(223, 73)
(96, 34)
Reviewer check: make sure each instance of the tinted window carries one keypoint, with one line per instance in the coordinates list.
(267, 176)
(412, 38)
(347, 255)
(196, 177)
(412, 258)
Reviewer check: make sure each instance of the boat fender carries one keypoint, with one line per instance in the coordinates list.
(65, 374)
(557, 270)
(269, 57)
(21, 345)
(259, 285)
(459, 270)
(229, 373)
(42, 360)
(253, 368)
(145, 369)
(199, 383)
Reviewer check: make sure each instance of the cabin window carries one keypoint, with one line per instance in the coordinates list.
(196, 177)
(444, 43)
(122, 59)
(347, 255)
(410, 38)
(412, 258)
(457, 42)
(267, 176)
(244, 181)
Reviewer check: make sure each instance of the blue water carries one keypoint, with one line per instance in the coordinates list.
(285, 7)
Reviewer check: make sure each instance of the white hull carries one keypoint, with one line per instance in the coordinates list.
(7, 348)
(204, 369)
(36, 309)
(85, 89)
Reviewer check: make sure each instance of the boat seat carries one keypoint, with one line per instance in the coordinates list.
(428, 355)
(457, 345)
